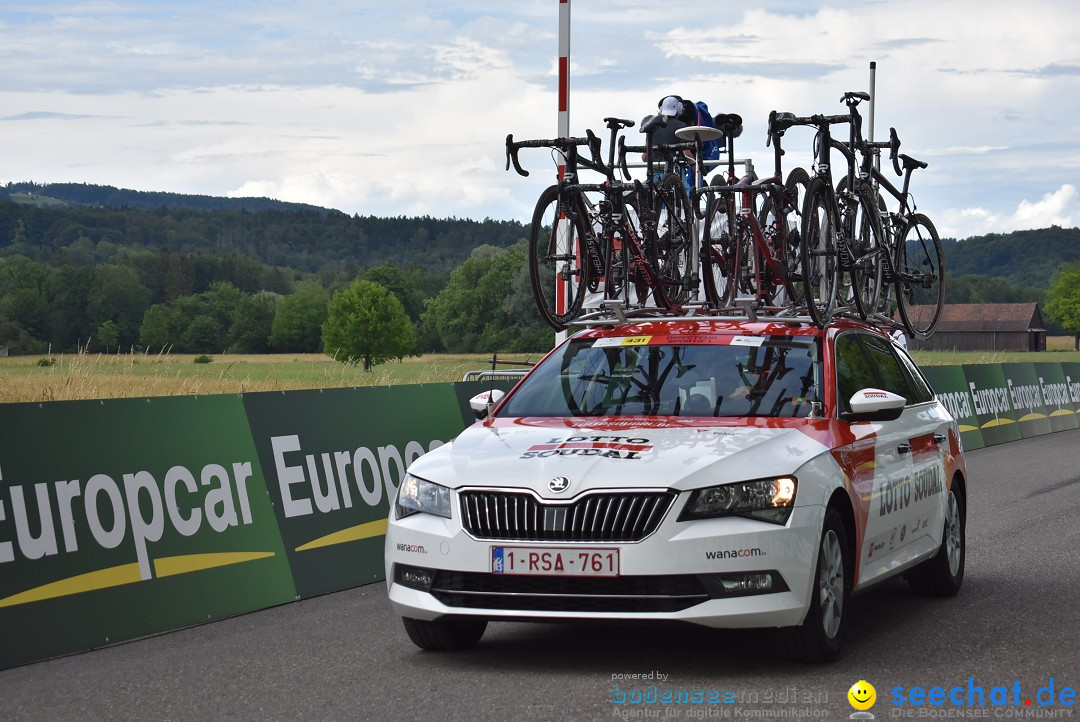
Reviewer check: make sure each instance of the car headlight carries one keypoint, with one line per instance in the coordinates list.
(766, 500)
(416, 495)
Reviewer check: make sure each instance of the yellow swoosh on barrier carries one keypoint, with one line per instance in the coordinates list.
(997, 422)
(1032, 417)
(353, 533)
(1061, 412)
(101, 579)
(169, 566)
(965, 427)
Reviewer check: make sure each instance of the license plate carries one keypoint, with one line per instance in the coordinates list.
(555, 561)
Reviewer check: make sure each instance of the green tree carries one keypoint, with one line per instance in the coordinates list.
(254, 316)
(160, 328)
(204, 334)
(487, 306)
(117, 295)
(403, 284)
(108, 335)
(298, 320)
(366, 323)
(1063, 300)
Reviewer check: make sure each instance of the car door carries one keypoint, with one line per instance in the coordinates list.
(878, 461)
(932, 426)
(911, 507)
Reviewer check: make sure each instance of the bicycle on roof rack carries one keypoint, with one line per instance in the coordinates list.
(837, 227)
(750, 247)
(911, 257)
(627, 244)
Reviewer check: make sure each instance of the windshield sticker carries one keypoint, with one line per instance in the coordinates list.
(607, 447)
(747, 340)
(622, 341)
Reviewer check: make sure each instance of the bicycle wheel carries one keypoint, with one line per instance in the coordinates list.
(674, 244)
(637, 290)
(920, 277)
(818, 243)
(779, 222)
(867, 248)
(556, 253)
(796, 188)
(718, 252)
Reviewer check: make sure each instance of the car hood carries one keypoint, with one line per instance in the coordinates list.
(529, 453)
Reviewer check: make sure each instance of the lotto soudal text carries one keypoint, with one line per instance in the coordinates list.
(898, 494)
(608, 447)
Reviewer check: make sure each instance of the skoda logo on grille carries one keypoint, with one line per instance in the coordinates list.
(559, 484)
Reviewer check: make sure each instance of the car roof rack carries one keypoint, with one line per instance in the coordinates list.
(615, 311)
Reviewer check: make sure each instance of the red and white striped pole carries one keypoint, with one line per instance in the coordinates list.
(563, 132)
(564, 70)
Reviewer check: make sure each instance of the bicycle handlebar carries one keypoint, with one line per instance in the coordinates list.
(563, 144)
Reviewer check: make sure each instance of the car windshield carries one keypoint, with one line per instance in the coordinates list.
(750, 376)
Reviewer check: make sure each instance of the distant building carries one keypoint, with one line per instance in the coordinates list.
(984, 327)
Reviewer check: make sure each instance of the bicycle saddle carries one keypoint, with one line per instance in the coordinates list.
(616, 123)
(730, 123)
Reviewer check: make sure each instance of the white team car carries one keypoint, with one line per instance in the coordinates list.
(722, 473)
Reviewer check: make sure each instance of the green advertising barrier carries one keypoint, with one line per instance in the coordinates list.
(1025, 395)
(1055, 392)
(1071, 372)
(993, 408)
(129, 517)
(334, 459)
(951, 389)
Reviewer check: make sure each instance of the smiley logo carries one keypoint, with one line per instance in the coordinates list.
(862, 695)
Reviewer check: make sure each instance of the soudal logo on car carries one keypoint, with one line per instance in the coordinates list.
(608, 447)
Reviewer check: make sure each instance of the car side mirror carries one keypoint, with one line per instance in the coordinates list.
(874, 405)
(483, 403)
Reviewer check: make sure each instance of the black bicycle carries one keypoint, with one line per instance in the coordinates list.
(839, 231)
(911, 257)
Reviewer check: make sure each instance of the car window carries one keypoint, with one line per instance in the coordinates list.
(865, 361)
(920, 389)
(893, 378)
(853, 369)
(763, 376)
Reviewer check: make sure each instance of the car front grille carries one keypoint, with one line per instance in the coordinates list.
(600, 517)
(656, 593)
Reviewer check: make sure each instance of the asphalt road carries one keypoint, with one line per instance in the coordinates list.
(346, 656)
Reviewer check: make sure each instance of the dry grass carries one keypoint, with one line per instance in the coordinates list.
(101, 376)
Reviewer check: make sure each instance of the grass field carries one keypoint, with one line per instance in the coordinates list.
(103, 376)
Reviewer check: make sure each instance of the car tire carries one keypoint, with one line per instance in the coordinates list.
(820, 638)
(446, 633)
(942, 575)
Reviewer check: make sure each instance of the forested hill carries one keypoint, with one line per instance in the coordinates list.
(41, 220)
(84, 194)
(305, 239)
(1026, 258)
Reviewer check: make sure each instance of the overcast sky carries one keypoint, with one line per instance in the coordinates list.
(384, 108)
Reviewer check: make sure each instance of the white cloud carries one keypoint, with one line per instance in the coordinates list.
(1056, 208)
(391, 109)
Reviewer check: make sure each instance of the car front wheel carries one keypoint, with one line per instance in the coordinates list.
(820, 637)
(445, 634)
